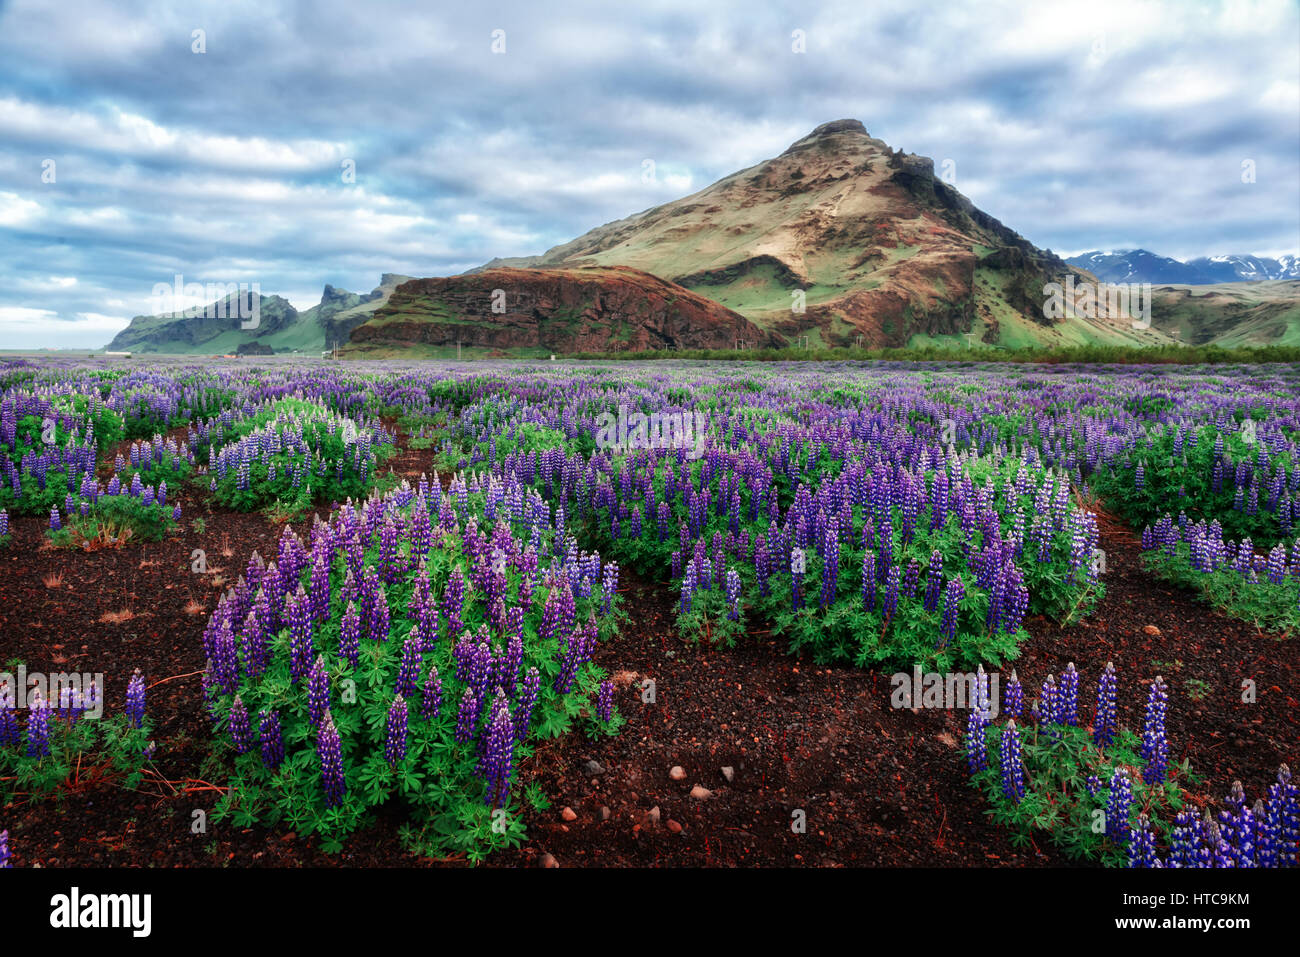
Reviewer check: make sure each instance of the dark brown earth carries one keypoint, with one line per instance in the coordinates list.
(878, 786)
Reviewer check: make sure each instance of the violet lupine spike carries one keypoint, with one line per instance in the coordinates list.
(526, 702)
(1266, 843)
(135, 699)
(1014, 705)
(395, 734)
(1049, 706)
(408, 670)
(1068, 711)
(379, 621)
(1284, 810)
(240, 733)
(350, 635)
(1185, 840)
(498, 753)
(301, 650)
(1103, 725)
(1009, 758)
(605, 701)
(4, 851)
(466, 716)
(1119, 803)
(1155, 745)
(10, 735)
(271, 740)
(977, 749)
(1142, 846)
(954, 592)
(318, 692)
(431, 699)
(38, 727)
(329, 748)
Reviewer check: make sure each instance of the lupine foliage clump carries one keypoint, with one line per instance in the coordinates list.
(1083, 787)
(412, 652)
(1260, 588)
(59, 746)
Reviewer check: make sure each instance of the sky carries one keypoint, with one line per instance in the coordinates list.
(297, 144)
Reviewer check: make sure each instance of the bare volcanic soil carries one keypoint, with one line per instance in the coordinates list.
(764, 735)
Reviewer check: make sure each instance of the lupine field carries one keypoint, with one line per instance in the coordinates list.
(511, 613)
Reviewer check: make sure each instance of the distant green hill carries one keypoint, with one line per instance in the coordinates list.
(216, 328)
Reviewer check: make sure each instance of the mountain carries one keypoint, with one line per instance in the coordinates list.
(1139, 265)
(880, 250)
(505, 311)
(215, 329)
(1257, 313)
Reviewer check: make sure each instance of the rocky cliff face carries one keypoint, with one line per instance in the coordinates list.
(559, 310)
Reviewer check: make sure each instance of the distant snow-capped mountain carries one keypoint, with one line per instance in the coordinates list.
(1141, 265)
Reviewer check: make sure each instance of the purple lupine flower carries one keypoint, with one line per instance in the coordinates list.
(318, 691)
(55, 523)
(934, 582)
(1049, 706)
(1155, 745)
(605, 701)
(977, 750)
(526, 702)
(1284, 810)
(1142, 847)
(869, 580)
(240, 733)
(396, 731)
(466, 716)
(4, 850)
(329, 748)
(176, 514)
(1093, 784)
(1013, 770)
(408, 670)
(498, 752)
(892, 584)
(953, 594)
(1265, 834)
(135, 699)
(1185, 840)
(350, 635)
(1068, 700)
(9, 733)
(379, 622)
(38, 727)
(1014, 705)
(1119, 803)
(431, 700)
(4, 522)
(1103, 725)
(733, 594)
(1236, 827)
(453, 600)
(300, 635)
(272, 741)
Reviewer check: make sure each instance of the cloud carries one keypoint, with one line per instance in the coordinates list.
(1089, 124)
